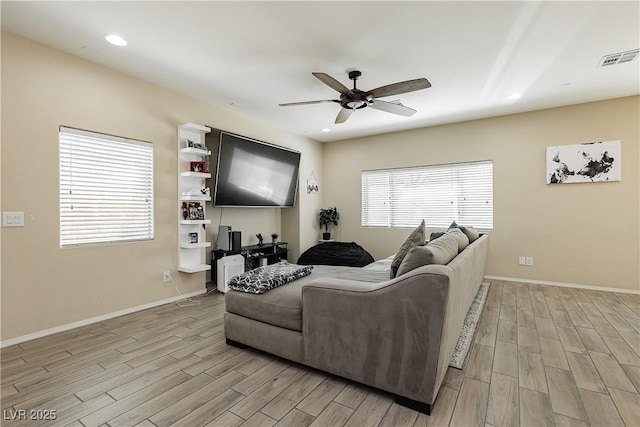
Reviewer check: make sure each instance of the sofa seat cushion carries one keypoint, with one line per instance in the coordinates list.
(281, 306)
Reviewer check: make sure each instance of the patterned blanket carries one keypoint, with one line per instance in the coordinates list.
(263, 279)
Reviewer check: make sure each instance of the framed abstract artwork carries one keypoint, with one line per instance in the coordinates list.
(588, 162)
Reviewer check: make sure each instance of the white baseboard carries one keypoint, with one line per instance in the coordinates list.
(564, 285)
(68, 326)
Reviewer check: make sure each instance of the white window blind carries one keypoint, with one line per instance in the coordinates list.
(461, 192)
(106, 188)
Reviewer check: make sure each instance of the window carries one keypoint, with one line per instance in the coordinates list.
(438, 194)
(106, 188)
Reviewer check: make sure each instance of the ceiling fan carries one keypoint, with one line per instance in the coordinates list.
(355, 99)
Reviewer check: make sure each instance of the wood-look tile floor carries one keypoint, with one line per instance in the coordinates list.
(541, 356)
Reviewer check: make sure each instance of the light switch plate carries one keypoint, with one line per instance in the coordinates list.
(13, 219)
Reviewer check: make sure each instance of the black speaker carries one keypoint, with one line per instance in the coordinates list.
(236, 239)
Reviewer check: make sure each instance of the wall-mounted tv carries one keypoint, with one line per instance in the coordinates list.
(253, 173)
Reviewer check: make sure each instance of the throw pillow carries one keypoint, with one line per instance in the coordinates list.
(441, 251)
(454, 225)
(416, 238)
(471, 233)
(461, 238)
(435, 235)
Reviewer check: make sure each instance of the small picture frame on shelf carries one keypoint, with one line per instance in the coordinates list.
(192, 211)
(193, 237)
(199, 167)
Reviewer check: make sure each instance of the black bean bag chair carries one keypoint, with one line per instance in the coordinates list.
(348, 254)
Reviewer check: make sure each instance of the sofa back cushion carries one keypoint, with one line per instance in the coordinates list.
(461, 238)
(416, 238)
(440, 251)
(471, 233)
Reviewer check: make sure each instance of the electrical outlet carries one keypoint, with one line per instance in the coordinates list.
(166, 276)
(529, 261)
(521, 260)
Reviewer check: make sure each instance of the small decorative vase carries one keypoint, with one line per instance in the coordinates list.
(326, 236)
(274, 240)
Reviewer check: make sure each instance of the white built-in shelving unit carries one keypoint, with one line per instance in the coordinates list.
(191, 255)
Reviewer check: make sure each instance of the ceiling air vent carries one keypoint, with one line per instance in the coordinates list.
(628, 56)
(618, 58)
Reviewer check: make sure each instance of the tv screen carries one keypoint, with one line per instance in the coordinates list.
(252, 173)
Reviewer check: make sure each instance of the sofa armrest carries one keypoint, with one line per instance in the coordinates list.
(386, 335)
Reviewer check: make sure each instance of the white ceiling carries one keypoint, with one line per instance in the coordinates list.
(251, 56)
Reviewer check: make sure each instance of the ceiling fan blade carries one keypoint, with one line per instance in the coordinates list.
(398, 88)
(343, 115)
(390, 107)
(333, 83)
(289, 104)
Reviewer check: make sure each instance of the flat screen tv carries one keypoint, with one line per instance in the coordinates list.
(252, 173)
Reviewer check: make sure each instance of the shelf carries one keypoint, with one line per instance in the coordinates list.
(190, 183)
(192, 127)
(195, 151)
(194, 268)
(195, 245)
(195, 175)
(195, 198)
(265, 246)
(194, 221)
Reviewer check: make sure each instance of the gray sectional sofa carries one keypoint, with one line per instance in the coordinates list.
(395, 334)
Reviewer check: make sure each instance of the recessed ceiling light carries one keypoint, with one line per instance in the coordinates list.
(115, 39)
(515, 96)
(326, 130)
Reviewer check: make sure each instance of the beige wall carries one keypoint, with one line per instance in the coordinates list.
(586, 234)
(44, 286)
(582, 233)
